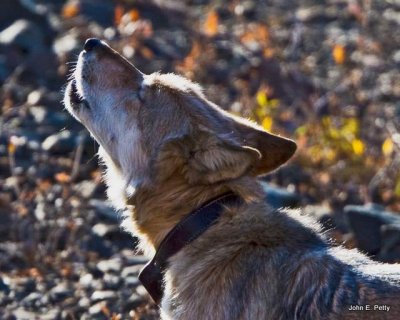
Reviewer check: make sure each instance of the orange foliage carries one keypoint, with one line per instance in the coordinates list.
(105, 310)
(147, 53)
(34, 273)
(211, 24)
(44, 185)
(257, 33)
(268, 53)
(118, 13)
(189, 63)
(134, 15)
(70, 10)
(62, 177)
(339, 54)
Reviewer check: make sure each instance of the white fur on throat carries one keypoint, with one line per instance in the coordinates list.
(118, 189)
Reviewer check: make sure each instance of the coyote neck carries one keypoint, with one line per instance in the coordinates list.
(158, 210)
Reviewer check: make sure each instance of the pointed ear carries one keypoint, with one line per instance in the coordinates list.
(274, 150)
(216, 160)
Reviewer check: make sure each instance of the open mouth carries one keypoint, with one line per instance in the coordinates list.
(77, 101)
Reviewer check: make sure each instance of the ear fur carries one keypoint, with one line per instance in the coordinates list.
(219, 160)
(204, 158)
(274, 150)
(207, 157)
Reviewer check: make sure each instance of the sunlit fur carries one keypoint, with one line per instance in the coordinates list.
(167, 150)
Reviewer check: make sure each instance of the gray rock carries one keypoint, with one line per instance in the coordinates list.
(86, 280)
(61, 142)
(84, 302)
(105, 295)
(365, 222)
(134, 301)
(131, 271)
(38, 113)
(85, 188)
(390, 248)
(111, 265)
(23, 34)
(317, 14)
(136, 259)
(22, 314)
(4, 69)
(24, 287)
(111, 282)
(396, 56)
(104, 209)
(101, 12)
(35, 97)
(96, 310)
(11, 10)
(65, 44)
(32, 300)
(94, 243)
(4, 287)
(40, 211)
(169, 45)
(51, 314)
(131, 282)
(247, 9)
(102, 229)
(113, 234)
(141, 290)
(60, 292)
(44, 116)
(279, 197)
(5, 221)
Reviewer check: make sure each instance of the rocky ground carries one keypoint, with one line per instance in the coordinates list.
(322, 72)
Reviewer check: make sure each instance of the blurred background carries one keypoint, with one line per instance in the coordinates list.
(325, 73)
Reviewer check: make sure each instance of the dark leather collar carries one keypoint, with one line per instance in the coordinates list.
(187, 230)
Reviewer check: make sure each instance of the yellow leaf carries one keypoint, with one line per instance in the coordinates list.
(333, 133)
(387, 147)
(327, 121)
(339, 54)
(302, 130)
(260, 112)
(330, 154)
(273, 103)
(11, 148)
(351, 125)
(358, 146)
(397, 188)
(262, 98)
(211, 24)
(267, 123)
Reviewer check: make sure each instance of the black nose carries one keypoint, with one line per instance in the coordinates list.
(91, 43)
